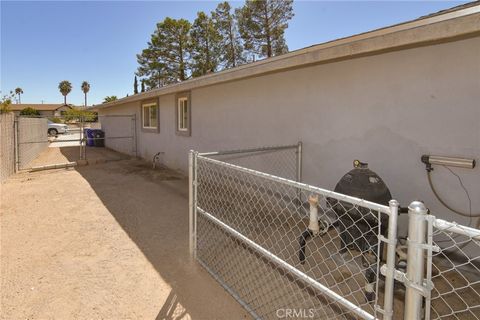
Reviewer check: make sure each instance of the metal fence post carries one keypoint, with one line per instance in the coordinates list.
(16, 144)
(416, 253)
(195, 202)
(192, 223)
(82, 126)
(298, 174)
(190, 202)
(391, 248)
(299, 162)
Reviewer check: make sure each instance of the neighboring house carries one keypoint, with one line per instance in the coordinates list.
(47, 109)
(385, 97)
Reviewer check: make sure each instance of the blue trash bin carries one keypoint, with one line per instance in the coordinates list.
(89, 135)
(99, 136)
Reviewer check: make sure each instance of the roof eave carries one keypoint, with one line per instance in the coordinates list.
(439, 28)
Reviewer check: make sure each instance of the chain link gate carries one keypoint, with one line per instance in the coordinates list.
(72, 139)
(443, 281)
(120, 133)
(455, 271)
(247, 228)
(34, 135)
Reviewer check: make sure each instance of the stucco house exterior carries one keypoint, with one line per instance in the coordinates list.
(46, 110)
(385, 97)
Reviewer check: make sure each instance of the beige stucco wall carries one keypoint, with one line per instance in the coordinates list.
(386, 110)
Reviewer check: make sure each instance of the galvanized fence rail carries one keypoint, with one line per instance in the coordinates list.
(253, 232)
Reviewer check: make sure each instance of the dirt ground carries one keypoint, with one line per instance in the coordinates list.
(104, 241)
(56, 155)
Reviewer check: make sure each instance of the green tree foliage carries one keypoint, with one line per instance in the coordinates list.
(262, 25)
(178, 50)
(109, 99)
(143, 85)
(65, 88)
(5, 103)
(166, 60)
(205, 45)
(231, 49)
(19, 92)
(76, 114)
(150, 67)
(28, 111)
(135, 86)
(85, 89)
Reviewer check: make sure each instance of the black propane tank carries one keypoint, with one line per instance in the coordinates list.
(358, 226)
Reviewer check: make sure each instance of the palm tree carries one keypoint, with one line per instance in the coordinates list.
(85, 89)
(65, 88)
(19, 91)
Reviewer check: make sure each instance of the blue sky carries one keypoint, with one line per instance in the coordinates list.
(43, 43)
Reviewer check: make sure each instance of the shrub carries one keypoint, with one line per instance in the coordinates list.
(5, 103)
(29, 112)
(75, 114)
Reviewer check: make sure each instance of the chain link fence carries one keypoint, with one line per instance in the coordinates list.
(253, 233)
(44, 144)
(281, 161)
(120, 133)
(7, 145)
(285, 249)
(32, 133)
(455, 272)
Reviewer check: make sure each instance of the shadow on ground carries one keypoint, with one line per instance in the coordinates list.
(151, 205)
(93, 154)
(58, 155)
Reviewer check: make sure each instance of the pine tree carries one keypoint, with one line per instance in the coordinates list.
(151, 68)
(231, 49)
(205, 45)
(166, 60)
(143, 85)
(135, 86)
(262, 25)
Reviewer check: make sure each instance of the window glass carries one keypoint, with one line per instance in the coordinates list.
(150, 115)
(183, 114)
(153, 116)
(146, 119)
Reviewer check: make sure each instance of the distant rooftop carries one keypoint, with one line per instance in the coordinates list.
(37, 106)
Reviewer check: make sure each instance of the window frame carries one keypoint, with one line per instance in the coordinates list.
(148, 104)
(187, 129)
(182, 114)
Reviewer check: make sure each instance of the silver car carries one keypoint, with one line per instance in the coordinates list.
(56, 128)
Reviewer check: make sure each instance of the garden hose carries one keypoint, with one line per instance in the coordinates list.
(468, 215)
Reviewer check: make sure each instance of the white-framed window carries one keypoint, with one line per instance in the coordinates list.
(183, 114)
(149, 115)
